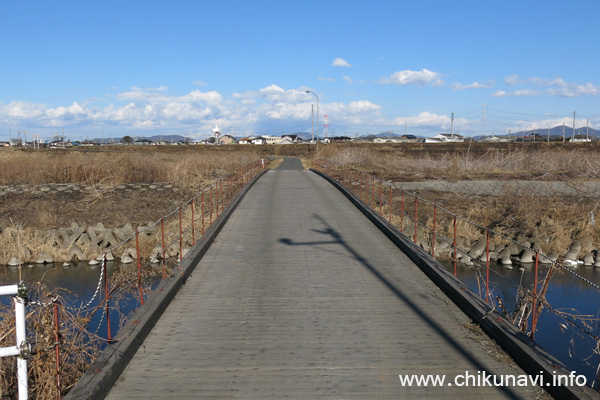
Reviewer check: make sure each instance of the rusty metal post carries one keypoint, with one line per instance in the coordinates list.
(455, 248)
(210, 206)
(193, 233)
(433, 238)
(535, 299)
(402, 212)
(381, 197)
(57, 349)
(373, 195)
(162, 238)
(487, 265)
(220, 196)
(202, 195)
(365, 197)
(390, 217)
(180, 234)
(106, 298)
(139, 267)
(416, 217)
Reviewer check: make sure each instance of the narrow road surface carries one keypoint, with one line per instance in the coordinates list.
(301, 297)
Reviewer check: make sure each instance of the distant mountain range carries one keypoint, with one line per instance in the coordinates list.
(558, 131)
(555, 133)
(155, 138)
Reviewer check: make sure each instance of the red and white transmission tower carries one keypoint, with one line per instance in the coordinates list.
(326, 126)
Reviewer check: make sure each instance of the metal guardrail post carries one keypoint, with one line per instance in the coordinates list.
(433, 238)
(57, 349)
(487, 265)
(139, 266)
(106, 297)
(416, 218)
(21, 349)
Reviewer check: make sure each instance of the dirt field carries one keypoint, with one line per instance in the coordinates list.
(52, 188)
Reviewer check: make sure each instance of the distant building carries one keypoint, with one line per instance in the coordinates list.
(494, 139)
(245, 141)
(143, 141)
(445, 138)
(391, 139)
(580, 138)
(226, 139)
(271, 139)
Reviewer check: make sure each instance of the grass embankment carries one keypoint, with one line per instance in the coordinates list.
(555, 220)
(27, 216)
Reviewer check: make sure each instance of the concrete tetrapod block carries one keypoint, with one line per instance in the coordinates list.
(526, 256)
(44, 258)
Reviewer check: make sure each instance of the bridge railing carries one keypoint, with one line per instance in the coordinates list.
(147, 255)
(446, 235)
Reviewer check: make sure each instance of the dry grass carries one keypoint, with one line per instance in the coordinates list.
(470, 161)
(185, 169)
(555, 221)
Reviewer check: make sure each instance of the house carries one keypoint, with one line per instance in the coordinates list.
(390, 139)
(4, 144)
(143, 142)
(285, 140)
(245, 141)
(494, 139)
(409, 138)
(288, 139)
(445, 138)
(226, 139)
(271, 139)
(580, 138)
(259, 140)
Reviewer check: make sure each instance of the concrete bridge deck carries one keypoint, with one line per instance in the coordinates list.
(302, 297)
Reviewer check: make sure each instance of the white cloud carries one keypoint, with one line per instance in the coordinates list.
(550, 87)
(474, 85)
(340, 62)
(348, 80)
(517, 93)
(321, 78)
(424, 119)
(514, 80)
(421, 78)
(200, 83)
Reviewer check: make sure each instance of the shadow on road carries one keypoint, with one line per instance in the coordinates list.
(331, 236)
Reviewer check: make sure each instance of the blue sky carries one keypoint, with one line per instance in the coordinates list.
(181, 67)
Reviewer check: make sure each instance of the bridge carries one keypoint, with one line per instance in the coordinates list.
(302, 296)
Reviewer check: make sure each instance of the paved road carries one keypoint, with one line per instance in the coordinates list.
(301, 297)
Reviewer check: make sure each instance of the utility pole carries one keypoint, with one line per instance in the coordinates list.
(563, 132)
(548, 133)
(312, 122)
(452, 127)
(573, 136)
(587, 129)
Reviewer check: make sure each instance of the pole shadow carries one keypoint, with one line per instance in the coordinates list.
(337, 238)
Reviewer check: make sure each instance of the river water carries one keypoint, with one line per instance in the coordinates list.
(566, 293)
(77, 285)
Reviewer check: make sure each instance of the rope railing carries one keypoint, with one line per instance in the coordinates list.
(157, 243)
(406, 210)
